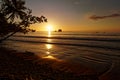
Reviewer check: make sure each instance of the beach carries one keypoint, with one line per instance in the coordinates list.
(62, 56)
(26, 66)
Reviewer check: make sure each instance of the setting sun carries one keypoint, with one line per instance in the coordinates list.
(49, 28)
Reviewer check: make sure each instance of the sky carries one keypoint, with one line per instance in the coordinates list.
(77, 15)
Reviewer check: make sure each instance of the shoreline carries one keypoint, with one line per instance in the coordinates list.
(25, 65)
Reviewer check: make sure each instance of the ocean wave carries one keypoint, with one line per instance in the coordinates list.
(75, 38)
(90, 34)
(69, 44)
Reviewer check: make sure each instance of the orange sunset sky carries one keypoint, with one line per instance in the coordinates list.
(77, 15)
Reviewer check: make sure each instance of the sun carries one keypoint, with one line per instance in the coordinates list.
(49, 28)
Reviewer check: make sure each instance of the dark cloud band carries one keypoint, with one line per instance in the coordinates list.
(95, 17)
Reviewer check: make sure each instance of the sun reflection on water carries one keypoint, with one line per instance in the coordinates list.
(49, 29)
(49, 57)
(48, 46)
(49, 33)
(49, 40)
(48, 54)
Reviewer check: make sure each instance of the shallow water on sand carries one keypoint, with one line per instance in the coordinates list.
(98, 51)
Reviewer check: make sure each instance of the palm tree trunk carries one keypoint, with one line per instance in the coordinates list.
(3, 39)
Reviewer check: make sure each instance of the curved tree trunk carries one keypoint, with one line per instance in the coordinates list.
(3, 39)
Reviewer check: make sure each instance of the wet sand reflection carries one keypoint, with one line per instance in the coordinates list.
(48, 54)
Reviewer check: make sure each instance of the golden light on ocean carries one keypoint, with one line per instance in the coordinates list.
(48, 53)
(49, 29)
(48, 46)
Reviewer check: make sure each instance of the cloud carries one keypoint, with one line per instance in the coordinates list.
(95, 17)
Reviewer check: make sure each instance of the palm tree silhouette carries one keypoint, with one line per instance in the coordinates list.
(14, 9)
(17, 18)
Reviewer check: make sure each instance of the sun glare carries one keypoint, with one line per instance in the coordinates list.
(49, 28)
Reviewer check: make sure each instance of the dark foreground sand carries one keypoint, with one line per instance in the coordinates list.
(27, 66)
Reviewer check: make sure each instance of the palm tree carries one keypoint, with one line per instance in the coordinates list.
(14, 9)
(18, 18)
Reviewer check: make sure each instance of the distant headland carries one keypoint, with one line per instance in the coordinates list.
(59, 30)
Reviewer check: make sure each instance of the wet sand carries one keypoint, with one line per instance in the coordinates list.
(27, 66)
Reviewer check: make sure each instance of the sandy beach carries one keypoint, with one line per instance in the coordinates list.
(26, 57)
(16, 65)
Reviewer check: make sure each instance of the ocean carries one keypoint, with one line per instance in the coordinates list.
(99, 51)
